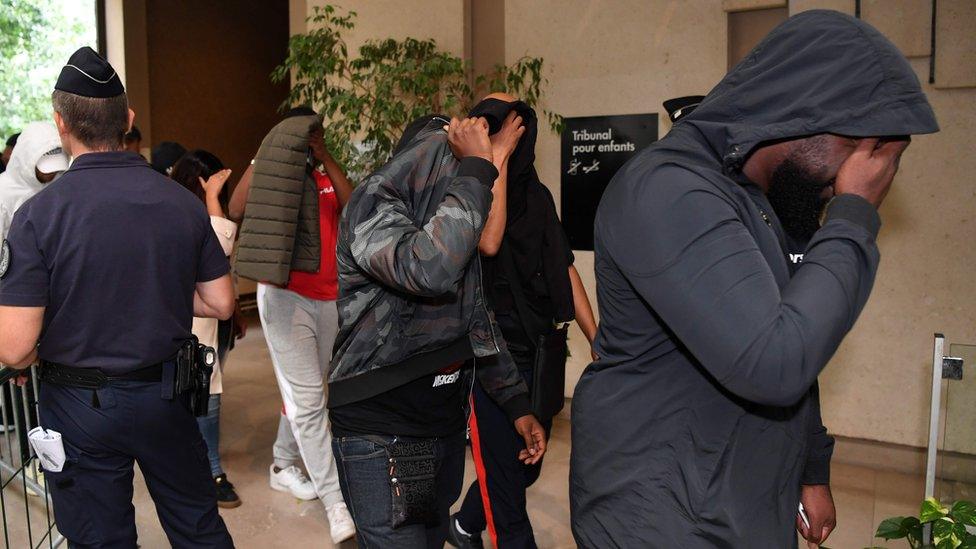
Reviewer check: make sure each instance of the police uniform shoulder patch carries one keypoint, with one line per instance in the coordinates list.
(4, 258)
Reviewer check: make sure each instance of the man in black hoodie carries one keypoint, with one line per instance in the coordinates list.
(699, 426)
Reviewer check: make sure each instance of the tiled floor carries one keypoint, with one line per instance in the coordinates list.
(864, 495)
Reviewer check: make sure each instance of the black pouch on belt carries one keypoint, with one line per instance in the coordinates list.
(185, 363)
(413, 469)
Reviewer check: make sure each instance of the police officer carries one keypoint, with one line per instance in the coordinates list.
(100, 277)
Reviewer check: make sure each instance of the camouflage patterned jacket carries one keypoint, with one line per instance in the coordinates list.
(410, 296)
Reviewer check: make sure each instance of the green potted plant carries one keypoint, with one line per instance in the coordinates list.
(369, 98)
(948, 526)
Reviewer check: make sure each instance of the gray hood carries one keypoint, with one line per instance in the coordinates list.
(819, 72)
(36, 140)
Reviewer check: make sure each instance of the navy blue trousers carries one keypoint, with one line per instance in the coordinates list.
(501, 476)
(131, 423)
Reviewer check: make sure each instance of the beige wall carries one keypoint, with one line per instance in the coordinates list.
(627, 56)
(486, 25)
(748, 28)
(442, 20)
(955, 63)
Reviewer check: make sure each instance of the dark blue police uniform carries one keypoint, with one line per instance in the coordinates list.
(113, 251)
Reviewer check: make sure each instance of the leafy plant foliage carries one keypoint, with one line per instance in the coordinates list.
(36, 38)
(948, 526)
(368, 99)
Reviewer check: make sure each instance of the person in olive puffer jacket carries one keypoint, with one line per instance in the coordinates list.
(295, 193)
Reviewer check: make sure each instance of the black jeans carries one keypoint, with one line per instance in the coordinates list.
(365, 481)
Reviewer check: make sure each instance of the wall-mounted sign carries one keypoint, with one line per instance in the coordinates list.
(593, 149)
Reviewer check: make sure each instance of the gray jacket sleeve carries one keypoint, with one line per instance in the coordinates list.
(688, 254)
(429, 260)
(820, 445)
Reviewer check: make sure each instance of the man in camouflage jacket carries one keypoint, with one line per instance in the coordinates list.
(412, 310)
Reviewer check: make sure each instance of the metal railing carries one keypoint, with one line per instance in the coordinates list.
(25, 505)
(945, 370)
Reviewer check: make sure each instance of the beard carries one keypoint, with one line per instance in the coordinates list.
(795, 192)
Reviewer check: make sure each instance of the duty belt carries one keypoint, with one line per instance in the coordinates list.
(93, 378)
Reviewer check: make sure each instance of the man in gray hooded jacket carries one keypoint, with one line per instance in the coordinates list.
(699, 426)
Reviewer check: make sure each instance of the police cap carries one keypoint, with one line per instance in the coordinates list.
(90, 75)
(682, 106)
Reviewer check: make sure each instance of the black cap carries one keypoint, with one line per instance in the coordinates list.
(90, 75)
(165, 155)
(682, 106)
(495, 110)
(302, 110)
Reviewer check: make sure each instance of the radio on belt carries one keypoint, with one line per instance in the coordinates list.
(194, 366)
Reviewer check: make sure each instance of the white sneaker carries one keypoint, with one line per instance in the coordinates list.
(292, 479)
(340, 523)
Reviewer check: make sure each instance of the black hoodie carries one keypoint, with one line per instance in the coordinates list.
(695, 428)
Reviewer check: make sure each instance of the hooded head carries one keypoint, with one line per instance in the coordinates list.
(819, 72)
(495, 107)
(812, 87)
(530, 215)
(36, 160)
